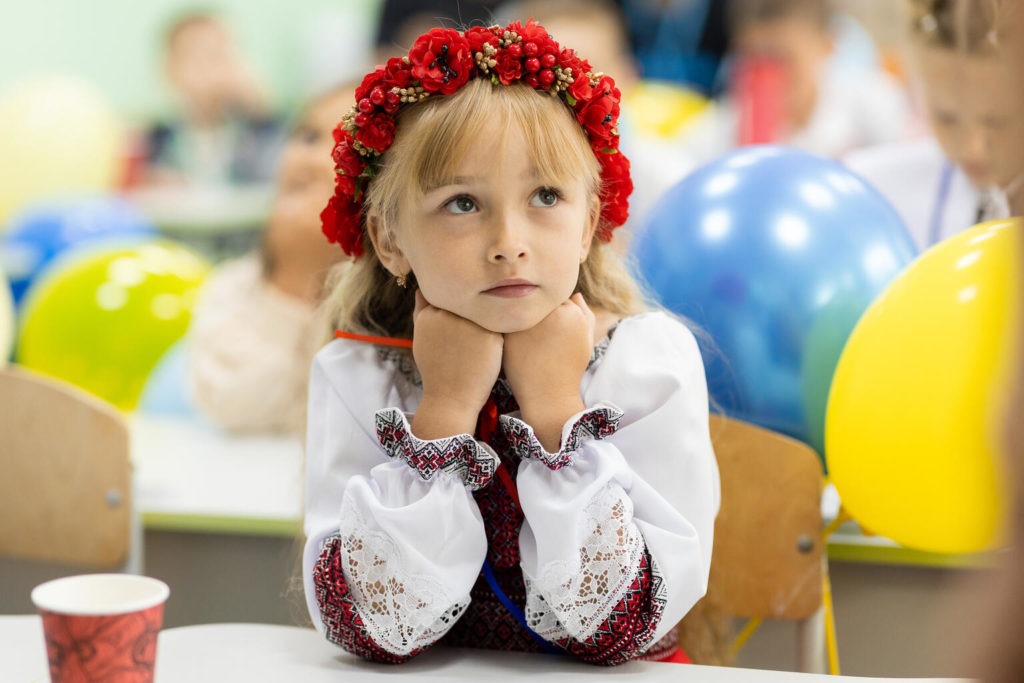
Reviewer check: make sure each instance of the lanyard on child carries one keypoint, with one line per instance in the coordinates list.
(486, 423)
(514, 610)
(510, 486)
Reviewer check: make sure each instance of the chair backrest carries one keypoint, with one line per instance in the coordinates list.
(65, 474)
(768, 552)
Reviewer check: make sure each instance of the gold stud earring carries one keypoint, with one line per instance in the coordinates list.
(400, 281)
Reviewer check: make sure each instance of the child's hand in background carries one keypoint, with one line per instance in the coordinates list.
(459, 362)
(545, 364)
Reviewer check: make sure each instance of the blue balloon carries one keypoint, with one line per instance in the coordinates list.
(774, 254)
(44, 231)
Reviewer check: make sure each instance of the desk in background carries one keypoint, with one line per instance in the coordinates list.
(218, 222)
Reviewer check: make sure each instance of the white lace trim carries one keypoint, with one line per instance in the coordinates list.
(401, 613)
(572, 599)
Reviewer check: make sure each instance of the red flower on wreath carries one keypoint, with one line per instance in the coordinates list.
(568, 59)
(478, 35)
(598, 111)
(509, 69)
(377, 133)
(616, 186)
(346, 159)
(441, 60)
(341, 221)
(534, 34)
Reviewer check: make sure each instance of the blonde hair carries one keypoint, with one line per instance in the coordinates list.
(431, 139)
(973, 26)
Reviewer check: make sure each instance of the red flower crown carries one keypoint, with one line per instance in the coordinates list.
(440, 62)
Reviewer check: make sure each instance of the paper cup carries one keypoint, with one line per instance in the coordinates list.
(101, 627)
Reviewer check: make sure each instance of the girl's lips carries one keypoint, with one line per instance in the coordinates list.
(511, 289)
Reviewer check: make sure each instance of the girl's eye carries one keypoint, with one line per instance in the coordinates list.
(460, 205)
(544, 197)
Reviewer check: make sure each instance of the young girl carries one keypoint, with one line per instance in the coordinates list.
(538, 474)
(251, 339)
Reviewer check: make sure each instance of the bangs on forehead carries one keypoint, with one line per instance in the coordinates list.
(451, 129)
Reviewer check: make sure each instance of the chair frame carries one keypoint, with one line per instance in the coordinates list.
(66, 488)
(769, 557)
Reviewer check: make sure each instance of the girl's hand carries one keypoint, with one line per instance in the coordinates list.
(459, 362)
(545, 364)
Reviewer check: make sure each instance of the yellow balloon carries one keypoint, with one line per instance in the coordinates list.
(662, 109)
(59, 136)
(102, 319)
(914, 410)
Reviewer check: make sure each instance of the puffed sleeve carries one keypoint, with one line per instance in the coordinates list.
(395, 539)
(616, 544)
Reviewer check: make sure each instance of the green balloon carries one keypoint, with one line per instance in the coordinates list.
(822, 347)
(104, 318)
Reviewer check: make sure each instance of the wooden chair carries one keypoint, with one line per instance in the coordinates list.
(768, 556)
(65, 476)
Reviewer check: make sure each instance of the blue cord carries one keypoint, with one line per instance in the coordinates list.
(514, 610)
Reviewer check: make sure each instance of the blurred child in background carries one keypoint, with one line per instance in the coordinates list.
(969, 171)
(782, 51)
(225, 131)
(996, 655)
(254, 331)
(682, 41)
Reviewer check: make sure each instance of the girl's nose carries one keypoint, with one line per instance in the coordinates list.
(508, 238)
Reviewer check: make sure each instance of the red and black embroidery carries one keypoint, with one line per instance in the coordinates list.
(596, 423)
(487, 624)
(460, 456)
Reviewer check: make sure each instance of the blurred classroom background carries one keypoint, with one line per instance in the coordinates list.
(165, 257)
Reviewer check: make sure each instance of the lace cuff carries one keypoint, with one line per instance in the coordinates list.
(461, 456)
(342, 622)
(595, 423)
(401, 612)
(572, 598)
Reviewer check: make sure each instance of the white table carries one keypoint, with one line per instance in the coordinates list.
(190, 476)
(258, 653)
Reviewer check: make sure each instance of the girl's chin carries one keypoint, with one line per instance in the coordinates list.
(508, 324)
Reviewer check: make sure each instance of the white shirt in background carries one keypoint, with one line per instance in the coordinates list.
(932, 196)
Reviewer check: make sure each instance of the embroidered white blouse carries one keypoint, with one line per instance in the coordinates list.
(395, 535)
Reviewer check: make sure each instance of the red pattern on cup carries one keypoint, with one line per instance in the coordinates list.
(116, 647)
